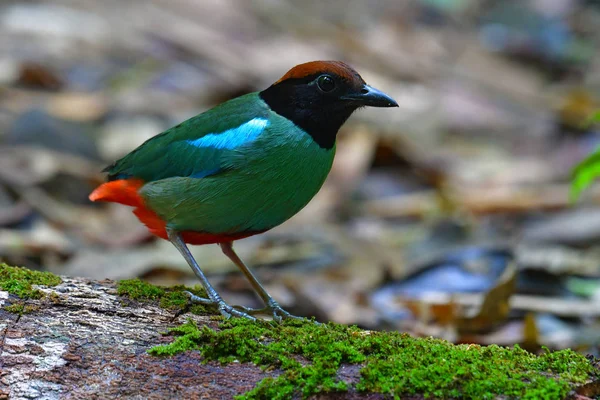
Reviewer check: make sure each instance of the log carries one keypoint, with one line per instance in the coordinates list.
(85, 342)
(82, 339)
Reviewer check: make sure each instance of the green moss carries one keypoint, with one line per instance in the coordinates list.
(139, 290)
(474, 372)
(21, 308)
(171, 298)
(19, 281)
(393, 363)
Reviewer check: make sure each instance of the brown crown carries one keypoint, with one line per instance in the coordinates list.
(338, 68)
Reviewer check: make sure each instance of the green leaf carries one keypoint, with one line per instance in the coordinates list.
(594, 118)
(584, 174)
(589, 169)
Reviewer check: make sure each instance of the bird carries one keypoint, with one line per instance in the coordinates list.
(241, 168)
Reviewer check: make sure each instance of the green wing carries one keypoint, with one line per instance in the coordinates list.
(173, 153)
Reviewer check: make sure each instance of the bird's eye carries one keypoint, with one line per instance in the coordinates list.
(326, 83)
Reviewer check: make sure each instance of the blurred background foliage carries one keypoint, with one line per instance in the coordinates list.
(449, 216)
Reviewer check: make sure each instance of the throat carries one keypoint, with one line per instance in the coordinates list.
(321, 121)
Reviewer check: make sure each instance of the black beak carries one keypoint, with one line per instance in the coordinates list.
(369, 96)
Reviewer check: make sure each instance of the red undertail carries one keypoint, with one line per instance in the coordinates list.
(126, 191)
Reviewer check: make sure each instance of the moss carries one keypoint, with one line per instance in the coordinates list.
(19, 281)
(54, 297)
(392, 363)
(21, 308)
(171, 298)
(139, 290)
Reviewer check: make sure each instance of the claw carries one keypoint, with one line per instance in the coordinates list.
(198, 299)
(273, 309)
(228, 311)
(225, 309)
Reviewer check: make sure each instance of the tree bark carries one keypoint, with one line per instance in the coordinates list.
(82, 340)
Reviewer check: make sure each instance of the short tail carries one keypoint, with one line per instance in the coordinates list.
(123, 191)
(126, 191)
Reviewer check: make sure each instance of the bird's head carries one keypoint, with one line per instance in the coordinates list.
(319, 96)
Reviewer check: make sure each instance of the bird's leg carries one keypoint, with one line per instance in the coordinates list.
(213, 297)
(271, 306)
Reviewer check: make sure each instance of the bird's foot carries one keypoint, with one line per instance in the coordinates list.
(225, 309)
(273, 309)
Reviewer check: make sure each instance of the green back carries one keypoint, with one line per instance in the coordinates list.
(168, 154)
(252, 187)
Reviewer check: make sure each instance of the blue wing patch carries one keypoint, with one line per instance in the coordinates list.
(232, 138)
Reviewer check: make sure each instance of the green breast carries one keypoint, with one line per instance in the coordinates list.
(264, 183)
